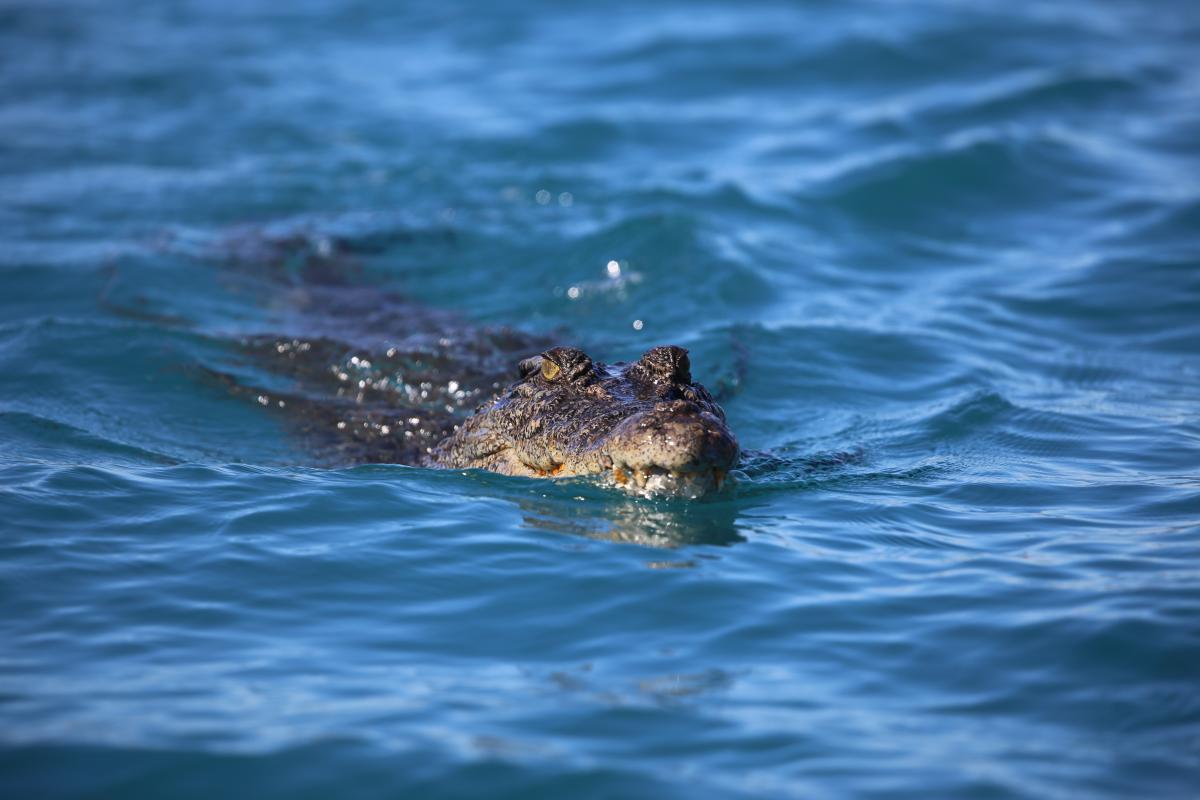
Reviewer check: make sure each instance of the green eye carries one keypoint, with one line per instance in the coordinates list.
(550, 370)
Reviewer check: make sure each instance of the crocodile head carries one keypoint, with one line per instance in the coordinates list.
(645, 427)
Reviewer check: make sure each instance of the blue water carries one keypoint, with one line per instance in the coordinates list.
(958, 241)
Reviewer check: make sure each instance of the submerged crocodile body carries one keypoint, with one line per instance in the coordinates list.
(644, 427)
(368, 377)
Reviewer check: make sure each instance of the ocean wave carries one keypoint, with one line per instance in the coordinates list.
(938, 259)
(966, 182)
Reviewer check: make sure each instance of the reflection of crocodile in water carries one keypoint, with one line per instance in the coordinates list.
(372, 378)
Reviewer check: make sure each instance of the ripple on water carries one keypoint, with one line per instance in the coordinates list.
(989, 172)
(939, 259)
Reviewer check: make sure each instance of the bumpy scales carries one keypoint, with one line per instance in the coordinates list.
(645, 427)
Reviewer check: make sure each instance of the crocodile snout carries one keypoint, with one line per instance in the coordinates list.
(675, 448)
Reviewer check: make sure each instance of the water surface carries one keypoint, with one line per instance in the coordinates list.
(958, 241)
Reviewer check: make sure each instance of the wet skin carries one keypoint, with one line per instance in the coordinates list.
(643, 427)
(377, 379)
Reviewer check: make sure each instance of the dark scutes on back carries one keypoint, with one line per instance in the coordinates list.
(369, 377)
(364, 397)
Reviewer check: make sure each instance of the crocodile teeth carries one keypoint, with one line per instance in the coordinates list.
(653, 481)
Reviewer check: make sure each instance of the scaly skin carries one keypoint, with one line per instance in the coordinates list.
(644, 427)
(376, 379)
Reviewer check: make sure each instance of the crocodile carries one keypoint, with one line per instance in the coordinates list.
(645, 426)
(369, 377)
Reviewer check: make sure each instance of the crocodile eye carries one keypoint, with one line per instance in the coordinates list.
(566, 364)
(669, 363)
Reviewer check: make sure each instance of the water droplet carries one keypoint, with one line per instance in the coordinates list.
(638, 324)
(614, 269)
(542, 197)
